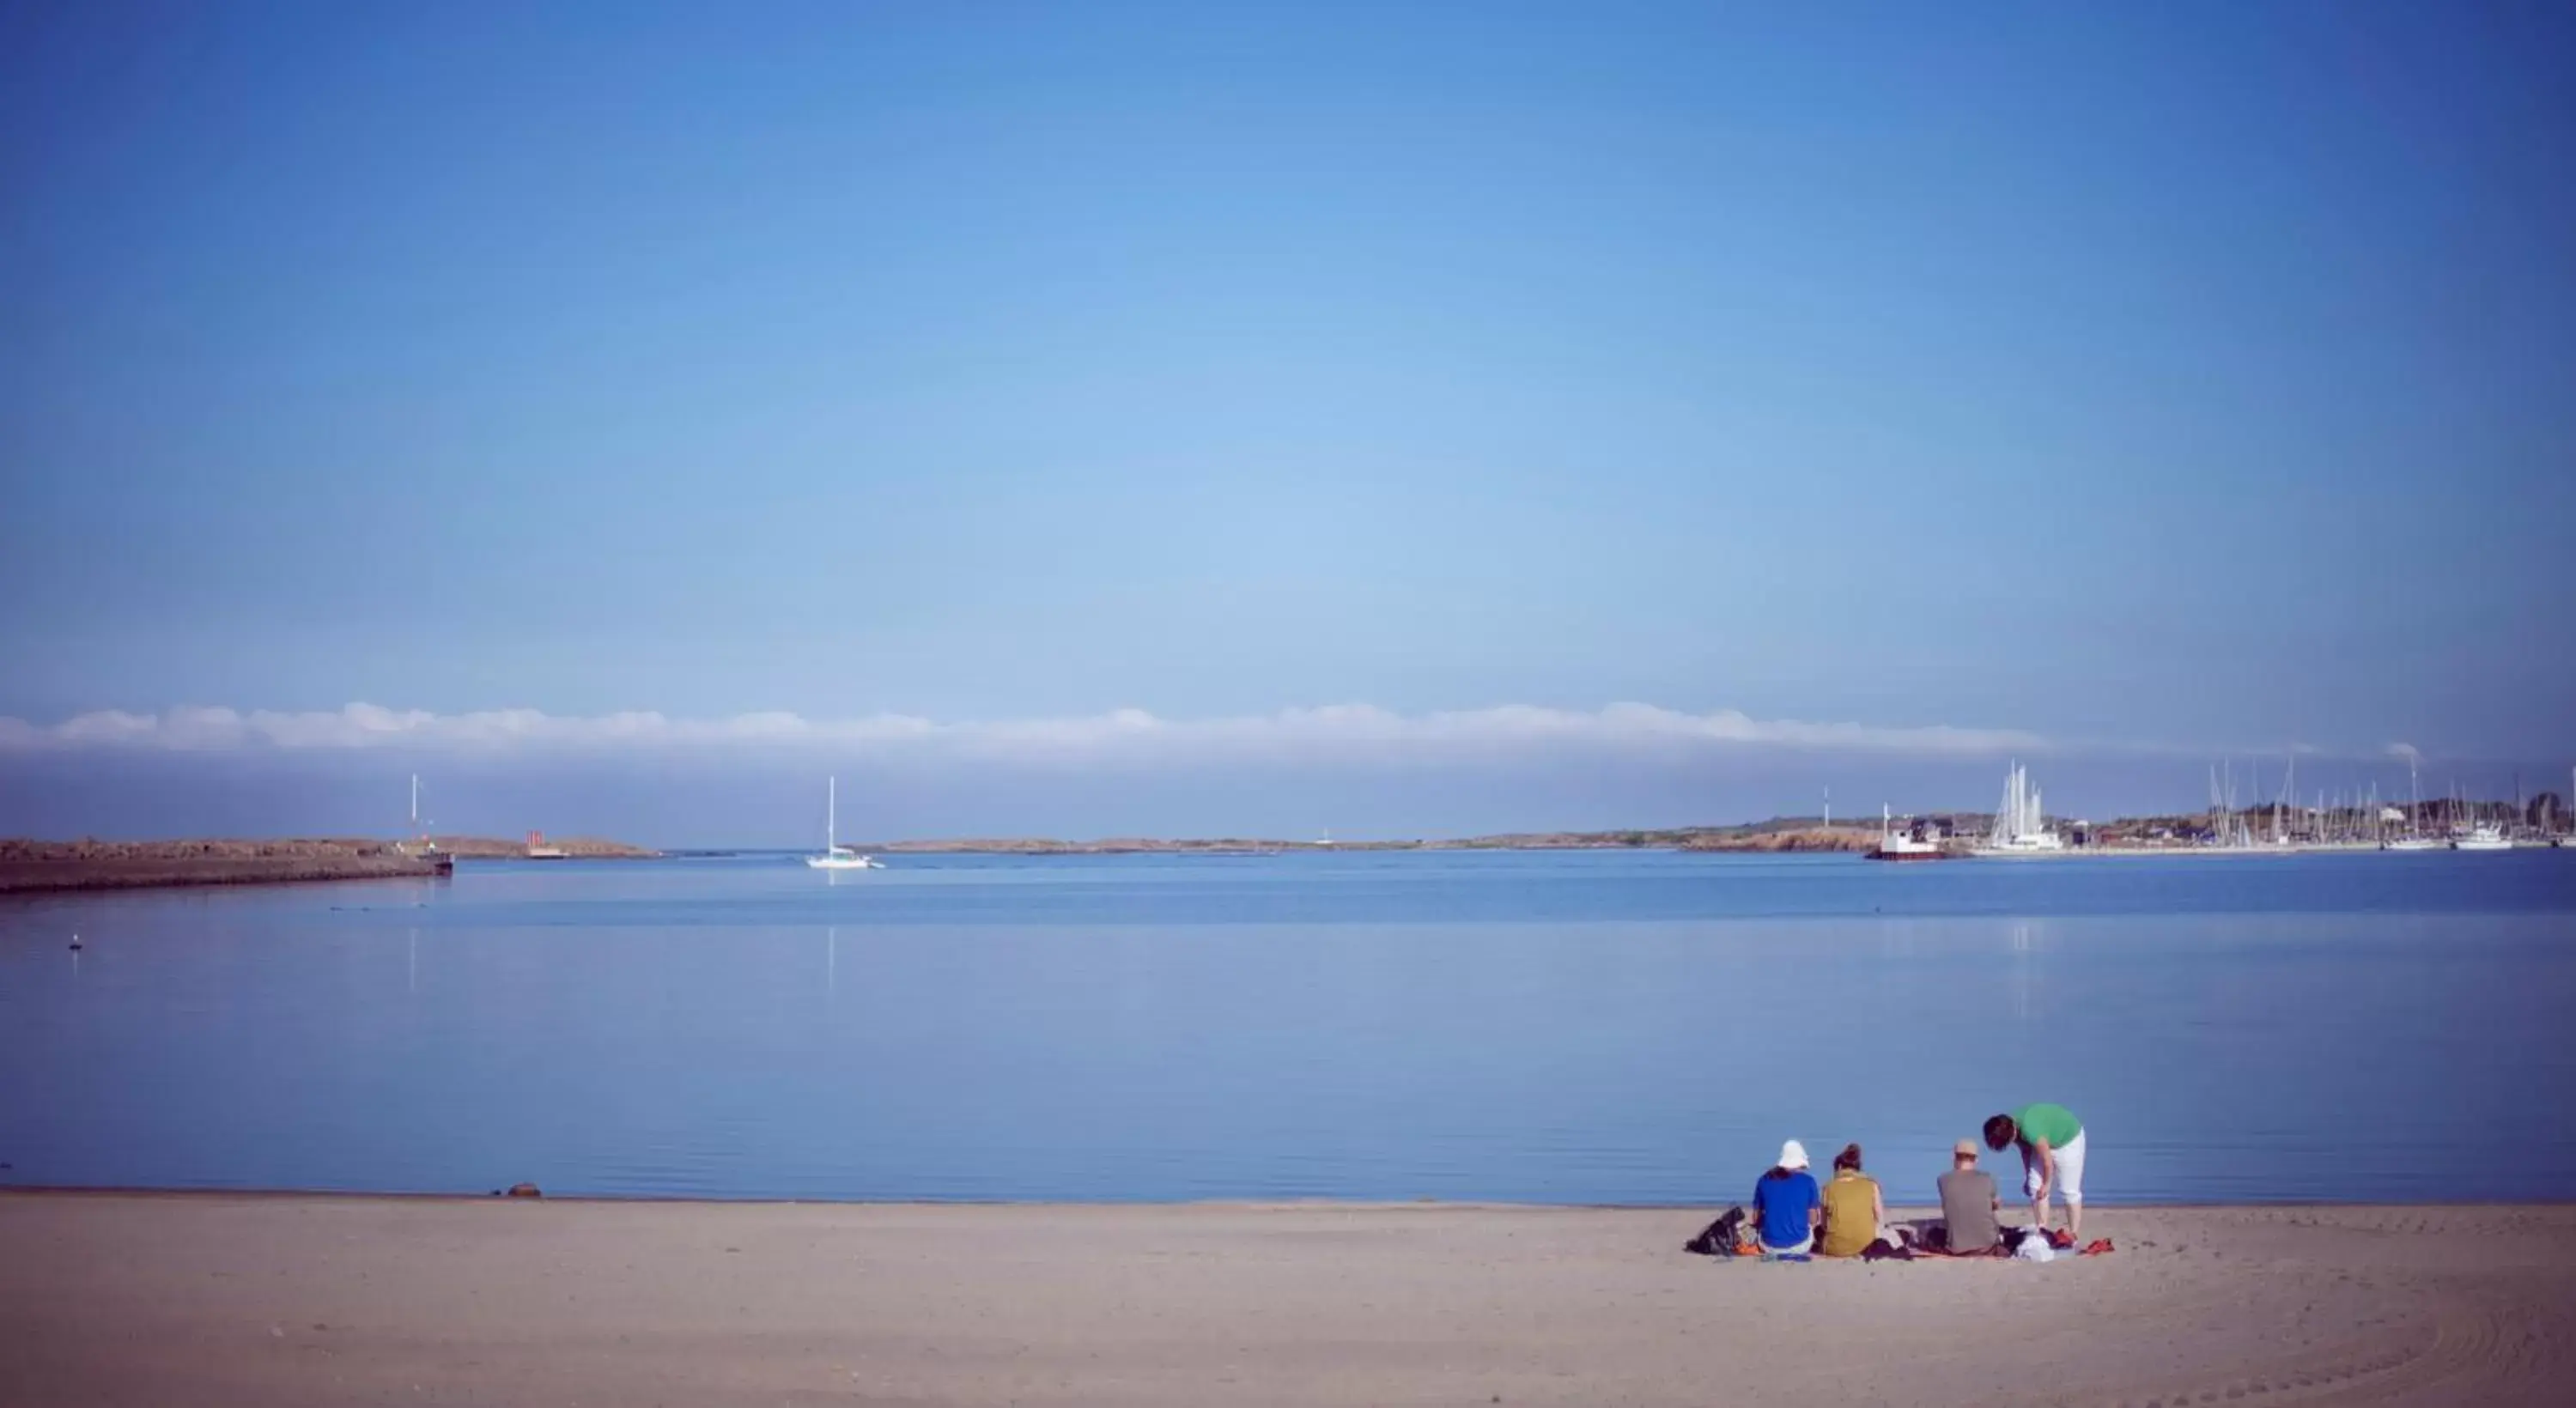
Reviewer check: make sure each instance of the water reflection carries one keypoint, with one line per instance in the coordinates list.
(2021, 972)
(626, 1031)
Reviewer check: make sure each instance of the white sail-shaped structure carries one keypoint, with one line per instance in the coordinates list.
(2021, 822)
(835, 855)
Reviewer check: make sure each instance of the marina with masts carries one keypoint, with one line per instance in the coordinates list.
(2350, 818)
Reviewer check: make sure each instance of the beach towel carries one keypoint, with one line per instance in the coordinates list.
(1933, 1239)
(2018, 1242)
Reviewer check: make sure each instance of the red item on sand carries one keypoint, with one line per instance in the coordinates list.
(2096, 1247)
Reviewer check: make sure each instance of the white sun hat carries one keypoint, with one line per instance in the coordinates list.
(1793, 1155)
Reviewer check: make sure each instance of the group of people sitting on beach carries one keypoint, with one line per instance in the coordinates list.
(1847, 1215)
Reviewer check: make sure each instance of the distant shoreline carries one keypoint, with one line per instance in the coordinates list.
(1791, 839)
(29, 867)
(60, 867)
(1767, 838)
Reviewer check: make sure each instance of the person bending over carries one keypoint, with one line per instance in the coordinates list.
(2052, 1159)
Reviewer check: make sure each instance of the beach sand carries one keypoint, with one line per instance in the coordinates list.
(268, 1300)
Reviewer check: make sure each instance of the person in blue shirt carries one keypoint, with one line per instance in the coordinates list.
(1787, 1204)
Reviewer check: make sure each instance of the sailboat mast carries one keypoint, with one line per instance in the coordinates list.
(831, 815)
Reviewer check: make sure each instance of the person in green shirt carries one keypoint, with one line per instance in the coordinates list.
(2052, 1158)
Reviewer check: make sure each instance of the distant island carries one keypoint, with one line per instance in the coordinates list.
(1783, 834)
(30, 866)
(571, 847)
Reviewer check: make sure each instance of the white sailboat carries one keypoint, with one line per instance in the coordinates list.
(835, 855)
(2021, 823)
(2414, 839)
(2485, 836)
(2478, 835)
(422, 846)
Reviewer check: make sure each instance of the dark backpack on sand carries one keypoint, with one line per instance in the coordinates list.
(1719, 1237)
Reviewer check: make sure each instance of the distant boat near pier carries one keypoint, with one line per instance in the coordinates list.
(1907, 844)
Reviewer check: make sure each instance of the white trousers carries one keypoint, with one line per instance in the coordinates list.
(2070, 1172)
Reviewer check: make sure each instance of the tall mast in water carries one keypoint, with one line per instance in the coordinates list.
(831, 815)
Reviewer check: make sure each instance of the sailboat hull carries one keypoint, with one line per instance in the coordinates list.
(835, 855)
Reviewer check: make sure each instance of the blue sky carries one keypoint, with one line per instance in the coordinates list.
(2143, 384)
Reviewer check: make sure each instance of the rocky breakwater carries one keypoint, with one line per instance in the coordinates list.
(27, 866)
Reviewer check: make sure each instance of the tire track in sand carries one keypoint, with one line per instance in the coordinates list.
(2450, 1343)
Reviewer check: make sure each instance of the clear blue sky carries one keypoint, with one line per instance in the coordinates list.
(2199, 376)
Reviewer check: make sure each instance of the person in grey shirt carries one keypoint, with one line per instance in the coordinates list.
(1969, 1203)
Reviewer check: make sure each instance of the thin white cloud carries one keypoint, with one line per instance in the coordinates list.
(1124, 734)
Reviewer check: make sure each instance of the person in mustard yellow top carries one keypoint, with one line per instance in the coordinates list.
(1854, 1211)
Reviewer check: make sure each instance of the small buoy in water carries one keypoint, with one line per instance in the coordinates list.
(76, 943)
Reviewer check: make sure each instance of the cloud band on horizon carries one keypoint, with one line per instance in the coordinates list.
(1120, 735)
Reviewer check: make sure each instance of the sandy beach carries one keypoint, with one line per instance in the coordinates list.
(262, 1300)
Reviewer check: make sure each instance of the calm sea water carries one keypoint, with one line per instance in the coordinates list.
(1592, 1027)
